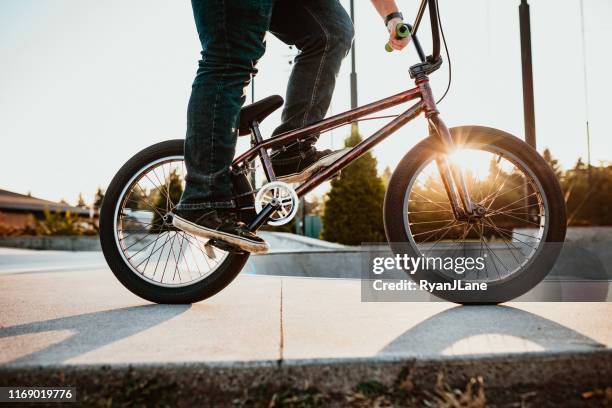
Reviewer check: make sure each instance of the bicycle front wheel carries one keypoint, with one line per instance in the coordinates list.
(513, 243)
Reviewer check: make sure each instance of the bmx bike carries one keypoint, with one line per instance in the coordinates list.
(463, 190)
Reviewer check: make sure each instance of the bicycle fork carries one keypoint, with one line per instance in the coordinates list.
(452, 176)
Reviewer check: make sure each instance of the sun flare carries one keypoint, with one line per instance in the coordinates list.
(472, 161)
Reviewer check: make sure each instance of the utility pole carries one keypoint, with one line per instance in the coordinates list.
(354, 127)
(586, 92)
(528, 99)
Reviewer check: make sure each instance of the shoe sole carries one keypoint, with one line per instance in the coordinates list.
(310, 170)
(203, 232)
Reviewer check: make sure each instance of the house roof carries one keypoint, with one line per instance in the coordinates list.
(22, 203)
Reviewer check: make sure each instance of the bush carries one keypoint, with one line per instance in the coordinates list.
(353, 209)
(56, 223)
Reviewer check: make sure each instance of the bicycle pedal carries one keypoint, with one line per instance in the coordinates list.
(210, 252)
(224, 246)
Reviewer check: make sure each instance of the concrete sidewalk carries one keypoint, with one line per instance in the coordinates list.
(63, 321)
(89, 318)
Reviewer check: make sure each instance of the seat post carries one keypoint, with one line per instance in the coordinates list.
(263, 153)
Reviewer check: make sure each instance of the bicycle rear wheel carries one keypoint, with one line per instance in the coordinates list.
(517, 239)
(146, 253)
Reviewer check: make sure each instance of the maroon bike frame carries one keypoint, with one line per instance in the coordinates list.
(425, 105)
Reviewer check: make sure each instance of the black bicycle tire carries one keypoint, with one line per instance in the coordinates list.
(536, 271)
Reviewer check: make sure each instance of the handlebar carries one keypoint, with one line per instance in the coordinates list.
(404, 30)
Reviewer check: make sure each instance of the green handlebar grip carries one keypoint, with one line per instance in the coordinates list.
(401, 31)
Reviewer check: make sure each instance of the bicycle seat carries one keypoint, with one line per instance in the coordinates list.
(258, 111)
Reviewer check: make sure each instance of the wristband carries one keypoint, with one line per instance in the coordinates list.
(395, 14)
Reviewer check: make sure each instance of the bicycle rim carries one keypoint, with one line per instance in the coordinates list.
(149, 245)
(506, 240)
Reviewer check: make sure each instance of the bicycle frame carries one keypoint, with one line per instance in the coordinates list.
(452, 178)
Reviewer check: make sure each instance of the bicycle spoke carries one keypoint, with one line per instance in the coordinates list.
(431, 222)
(503, 233)
(520, 219)
(506, 243)
(430, 201)
(176, 267)
(427, 232)
(495, 255)
(442, 237)
(160, 254)
(514, 202)
(151, 254)
(168, 257)
(428, 211)
(500, 195)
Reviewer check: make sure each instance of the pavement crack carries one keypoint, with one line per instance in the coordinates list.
(281, 327)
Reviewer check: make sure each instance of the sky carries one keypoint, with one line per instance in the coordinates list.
(85, 84)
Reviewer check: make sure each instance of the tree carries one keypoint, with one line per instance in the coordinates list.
(353, 209)
(97, 203)
(386, 176)
(588, 201)
(81, 201)
(552, 162)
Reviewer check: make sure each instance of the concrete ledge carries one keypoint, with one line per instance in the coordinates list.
(279, 242)
(56, 243)
(538, 379)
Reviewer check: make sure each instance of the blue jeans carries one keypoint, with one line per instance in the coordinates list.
(232, 35)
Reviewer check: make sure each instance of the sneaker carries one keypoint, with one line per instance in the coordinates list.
(221, 225)
(298, 168)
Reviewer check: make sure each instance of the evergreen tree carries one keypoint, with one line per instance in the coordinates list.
(386, 176)
(98, 199)
(552, 162)
(81, 201)
(353, 209)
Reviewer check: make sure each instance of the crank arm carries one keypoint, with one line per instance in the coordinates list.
(265, 214)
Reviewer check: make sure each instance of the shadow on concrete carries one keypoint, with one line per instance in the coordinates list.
(517, 330)
(91, 330)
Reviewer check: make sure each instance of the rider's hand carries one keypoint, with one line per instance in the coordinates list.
(396, 43)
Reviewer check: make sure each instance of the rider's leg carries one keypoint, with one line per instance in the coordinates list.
(232, 37)
(324, 37)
